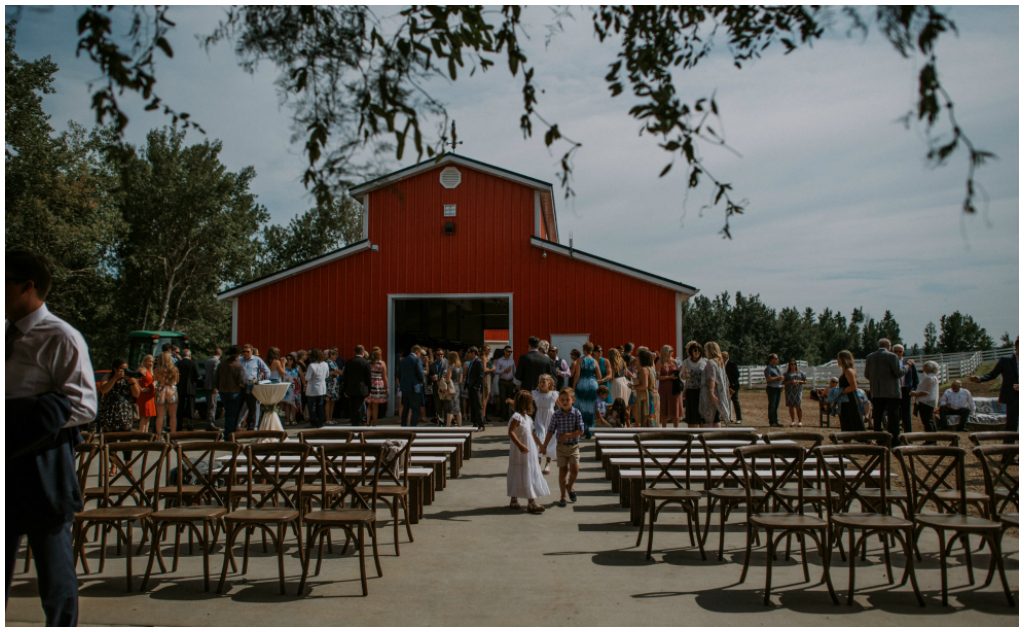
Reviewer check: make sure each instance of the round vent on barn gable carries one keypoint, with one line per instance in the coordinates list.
(451, 177)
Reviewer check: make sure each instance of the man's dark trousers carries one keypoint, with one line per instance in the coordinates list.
(905, 401)
(475, 408)
(885, 411)
(55, 568)
(356, 411)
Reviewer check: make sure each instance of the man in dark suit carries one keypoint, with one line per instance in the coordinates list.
(410, 382)
(1009, 390)
(884, 373)
(188, 373)
(908, 384)
(50, 392)
(357, 385)
(475, 386)
(532, 365)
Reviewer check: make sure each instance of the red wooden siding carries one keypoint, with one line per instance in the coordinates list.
(344, 302)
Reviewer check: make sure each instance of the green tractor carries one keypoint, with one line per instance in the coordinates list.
(142, 343)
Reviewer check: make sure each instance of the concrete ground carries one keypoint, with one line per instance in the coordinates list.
(475, 562)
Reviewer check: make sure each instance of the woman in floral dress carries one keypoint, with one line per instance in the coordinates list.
(118, 395)
(378, 386)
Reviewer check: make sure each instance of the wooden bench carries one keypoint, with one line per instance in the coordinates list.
(465, 433)
(623, 437)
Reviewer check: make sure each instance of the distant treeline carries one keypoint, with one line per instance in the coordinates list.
(750, 330)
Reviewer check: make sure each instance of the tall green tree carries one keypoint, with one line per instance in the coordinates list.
(832, 334)
(192, 227)
(57, 196)
(958, 332)
(931, 339)
(355, 76)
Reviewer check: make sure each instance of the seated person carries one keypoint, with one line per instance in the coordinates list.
(830, 396)
(601, 407)
(617, 415)
(956, 402)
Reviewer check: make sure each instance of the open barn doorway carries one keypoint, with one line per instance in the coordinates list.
(451, 322)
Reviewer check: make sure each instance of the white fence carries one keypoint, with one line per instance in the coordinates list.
(952, 366)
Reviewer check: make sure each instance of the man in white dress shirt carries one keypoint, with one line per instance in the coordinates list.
(956, 402)
(50, 392)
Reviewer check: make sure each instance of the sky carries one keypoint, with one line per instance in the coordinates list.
(842, 208)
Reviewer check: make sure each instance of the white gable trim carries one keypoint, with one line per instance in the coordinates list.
(449, 159)
(284, 274)
(684, 290)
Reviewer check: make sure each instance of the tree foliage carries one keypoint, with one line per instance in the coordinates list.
(327, 226)
(192, 226)
(355, 80)
(57, 197)
(959, 332)
(138, 237)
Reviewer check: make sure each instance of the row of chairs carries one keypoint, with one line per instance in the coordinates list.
(254, 482)
(848, 485)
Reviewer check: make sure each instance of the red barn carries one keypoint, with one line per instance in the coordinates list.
(453, 251)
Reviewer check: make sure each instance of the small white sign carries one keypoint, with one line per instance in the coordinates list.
(449, 210)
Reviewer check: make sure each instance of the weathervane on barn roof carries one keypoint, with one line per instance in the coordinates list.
(455, 141)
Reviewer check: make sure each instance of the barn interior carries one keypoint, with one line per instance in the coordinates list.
(449, 323)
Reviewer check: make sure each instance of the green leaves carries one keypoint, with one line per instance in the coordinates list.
(355, 81)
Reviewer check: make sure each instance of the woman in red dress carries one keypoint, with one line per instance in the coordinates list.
(147, 396)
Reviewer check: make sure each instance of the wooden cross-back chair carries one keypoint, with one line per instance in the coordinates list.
(930, 438)
(660, 486)
(771, 469)
(356, 467)
(1000, 464)
(723, 483)
(871, 495)
(946, 492)
(270, 505)
(850, 470)
(130, 491)
(994, 436)
(200, 501)
(393, 486)
(929, 474)
(311, 493)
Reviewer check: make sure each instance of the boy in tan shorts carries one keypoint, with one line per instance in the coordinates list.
(567, 426)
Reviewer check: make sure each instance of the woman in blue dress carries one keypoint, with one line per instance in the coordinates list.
(585, 375)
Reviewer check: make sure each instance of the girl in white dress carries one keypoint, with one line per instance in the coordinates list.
(544, 399)
(524, 477)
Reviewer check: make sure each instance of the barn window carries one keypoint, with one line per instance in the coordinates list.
(449, 210)
(450, 177)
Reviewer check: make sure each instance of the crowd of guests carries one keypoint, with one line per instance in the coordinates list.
(897, 392)
(549, 403)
